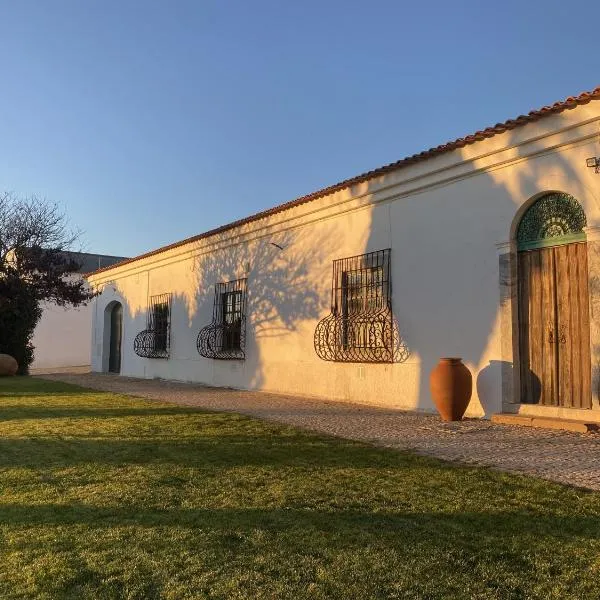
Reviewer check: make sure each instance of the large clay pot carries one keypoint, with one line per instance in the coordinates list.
(8, 365)
(451, 385)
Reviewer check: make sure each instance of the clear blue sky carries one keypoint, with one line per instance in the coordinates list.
(153, 121)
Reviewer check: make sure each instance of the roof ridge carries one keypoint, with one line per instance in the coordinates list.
(531, 116)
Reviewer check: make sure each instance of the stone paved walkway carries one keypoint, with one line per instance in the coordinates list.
(560, 456)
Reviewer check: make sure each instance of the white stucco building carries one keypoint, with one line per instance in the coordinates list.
(486, 248)
(62, 338)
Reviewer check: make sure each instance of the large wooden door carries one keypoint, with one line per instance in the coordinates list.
(554, 328)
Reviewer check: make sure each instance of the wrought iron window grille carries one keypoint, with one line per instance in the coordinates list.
(225, 337)
(361, 326)
(155, 340)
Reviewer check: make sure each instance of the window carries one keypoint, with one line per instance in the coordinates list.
(361, 326)
(232, 320)
(159, 323)
(154, 341)
(362, 293)
(225, 337)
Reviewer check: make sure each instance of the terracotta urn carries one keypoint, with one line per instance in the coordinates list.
(451, 385)
(8, 365)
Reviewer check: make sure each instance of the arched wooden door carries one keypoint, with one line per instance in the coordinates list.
(116, 334)
(554, 328)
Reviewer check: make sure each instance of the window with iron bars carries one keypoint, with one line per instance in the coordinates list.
(232, 320)
(361, 326)
(225, 337)
(159, 322)
(362, 293)
(155, 340)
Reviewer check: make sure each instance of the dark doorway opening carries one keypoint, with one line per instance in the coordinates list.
(116, 334)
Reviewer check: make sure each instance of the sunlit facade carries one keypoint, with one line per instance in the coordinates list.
(355, 292)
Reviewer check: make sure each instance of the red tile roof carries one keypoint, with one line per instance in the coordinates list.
(534, 115)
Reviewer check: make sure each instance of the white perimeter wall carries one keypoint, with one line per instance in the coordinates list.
(62, 338)
(446, 221)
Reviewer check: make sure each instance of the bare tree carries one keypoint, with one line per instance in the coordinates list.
(36, 261)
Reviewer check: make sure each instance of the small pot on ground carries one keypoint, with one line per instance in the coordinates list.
(451, 386)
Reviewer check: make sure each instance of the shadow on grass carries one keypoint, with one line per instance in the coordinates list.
(214, 449)
(33, 386)
(13, 413)
(82, 393)
(352, 524)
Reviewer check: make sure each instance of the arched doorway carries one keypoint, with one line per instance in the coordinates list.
(553, 304)
(115, 339)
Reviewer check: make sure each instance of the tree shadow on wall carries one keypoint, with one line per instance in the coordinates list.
(445, 274)
(288, 290)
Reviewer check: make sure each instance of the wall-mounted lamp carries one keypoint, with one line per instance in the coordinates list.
(593, 163)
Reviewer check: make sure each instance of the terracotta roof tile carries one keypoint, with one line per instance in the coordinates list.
(534, 115)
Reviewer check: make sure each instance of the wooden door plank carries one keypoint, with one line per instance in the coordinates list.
(574, 341)
(565, 330)
(536, 328)
(584, 327)
(523, 273)
(549, 376)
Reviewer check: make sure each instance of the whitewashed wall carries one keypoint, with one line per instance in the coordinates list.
(62, 338)
(446, 221)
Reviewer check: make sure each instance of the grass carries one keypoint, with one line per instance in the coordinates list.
(105, 496)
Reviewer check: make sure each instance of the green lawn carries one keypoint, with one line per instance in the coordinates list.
(106, 496)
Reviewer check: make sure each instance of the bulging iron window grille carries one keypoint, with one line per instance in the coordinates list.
(225, 337)
(155, 340)
(361, 326)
